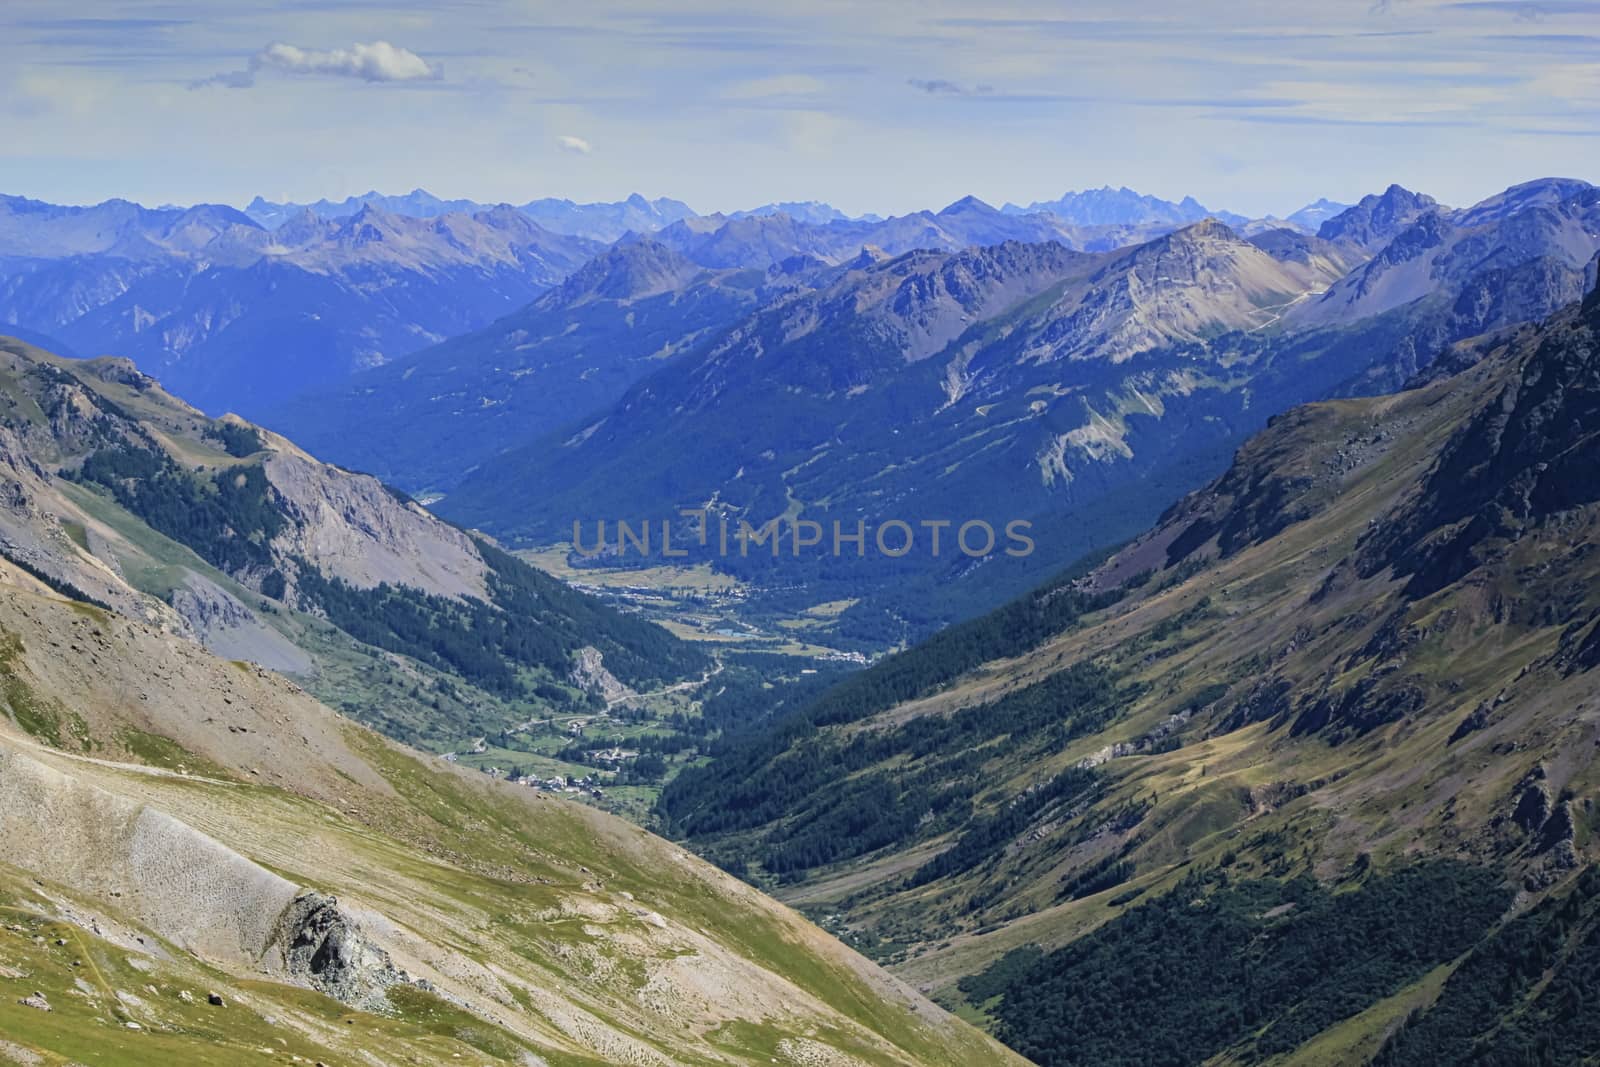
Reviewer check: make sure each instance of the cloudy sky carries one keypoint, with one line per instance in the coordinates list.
(1251, 105)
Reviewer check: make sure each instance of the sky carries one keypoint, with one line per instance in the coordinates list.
(1254, 106)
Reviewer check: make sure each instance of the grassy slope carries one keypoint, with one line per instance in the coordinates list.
(561, 930)
(1197, 643)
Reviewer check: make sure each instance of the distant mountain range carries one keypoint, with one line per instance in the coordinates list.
(242, 309)
(1123, 207)
(603, 222)
(237, 316)
(1456, 273)
(1077, 390)
(576, 349)
(1076, 374)
(609, 221)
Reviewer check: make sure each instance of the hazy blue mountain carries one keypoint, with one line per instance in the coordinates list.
(761, 239)
(32, 229)
(425, 420)
(811, 211)
(597, 222)
(1515, 257)
(1377, 218)
(1314, 214)
(418, 203)
(1123, 207)
(606, 221)
(236, 316)
(756, 241)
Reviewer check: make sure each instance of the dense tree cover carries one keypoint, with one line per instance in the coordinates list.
(468, 638)
(648, 768)
(531, 621)
(60, 585)
(752, 690)
(1007, 631)
(839, 798)
(994, 981)
(228, 517)
(636, 650)
(237, 439)
(1526, 995)
(1108, 873)
(1218, 963)
(988, 836)
(746, 786)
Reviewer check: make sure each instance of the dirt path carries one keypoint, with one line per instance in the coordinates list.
(677, 687)
(1278, 310)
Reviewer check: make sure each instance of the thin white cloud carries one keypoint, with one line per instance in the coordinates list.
(576, 145)
(943, 86)
(378, 61)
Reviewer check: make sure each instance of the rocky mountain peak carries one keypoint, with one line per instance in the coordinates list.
(626, 271)
(1207, 229)
(1377, 218)
(969, 205)
(1548, 193)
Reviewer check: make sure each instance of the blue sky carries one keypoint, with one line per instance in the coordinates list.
(892, 106)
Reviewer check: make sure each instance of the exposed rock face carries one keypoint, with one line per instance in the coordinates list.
(590, 674)
(208, 606)
(1377, 219)
(324, 948)
(224, 625)
(1184, 287)
(1533, 805)
(351, 527)
(1372, 702)
(1559, 829)
(183, 884)
(33, 536)
(626, 271)
(898, 312)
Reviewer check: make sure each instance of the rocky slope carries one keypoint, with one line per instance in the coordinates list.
(1362, 659)
(1513, 258)
(203, 865)
(1377, 219)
